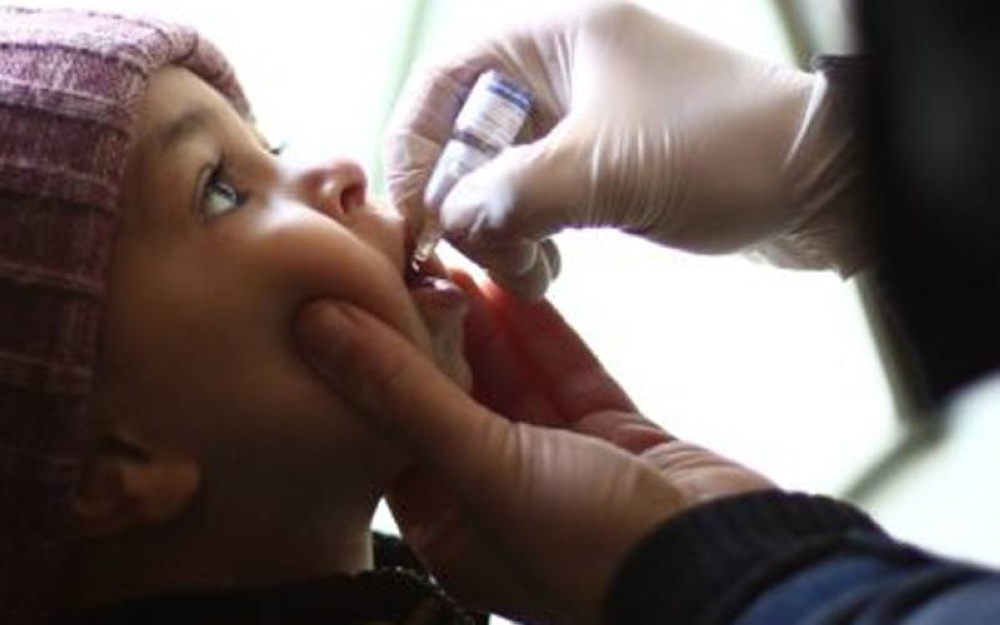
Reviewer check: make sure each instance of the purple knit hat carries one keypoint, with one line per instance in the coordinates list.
(70, 86)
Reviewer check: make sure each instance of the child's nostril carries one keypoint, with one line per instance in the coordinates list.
(327, 198)
(353, 197)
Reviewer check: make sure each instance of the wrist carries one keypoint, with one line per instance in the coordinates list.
(824, 181)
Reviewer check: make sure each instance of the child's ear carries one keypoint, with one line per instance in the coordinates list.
(125, 485)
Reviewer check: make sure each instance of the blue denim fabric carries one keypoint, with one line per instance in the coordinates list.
(868, 589)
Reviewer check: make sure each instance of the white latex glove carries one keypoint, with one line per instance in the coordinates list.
(637, 124)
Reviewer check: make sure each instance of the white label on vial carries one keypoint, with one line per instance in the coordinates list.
(493, 113)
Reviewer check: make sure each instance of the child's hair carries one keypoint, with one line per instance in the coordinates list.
(70, 87)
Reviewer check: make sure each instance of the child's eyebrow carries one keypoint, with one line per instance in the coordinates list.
(190, 123)
(185, 126)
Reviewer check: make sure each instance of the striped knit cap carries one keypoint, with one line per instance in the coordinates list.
(70, 86)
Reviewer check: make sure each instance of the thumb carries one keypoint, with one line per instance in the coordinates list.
(403, 393)
(528, 191)
(501, 214)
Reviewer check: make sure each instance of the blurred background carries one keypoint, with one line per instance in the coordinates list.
(792, 373)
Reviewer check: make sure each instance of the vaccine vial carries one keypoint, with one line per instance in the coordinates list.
(490, 119)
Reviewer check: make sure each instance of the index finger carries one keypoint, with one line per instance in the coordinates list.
(420, 125)
(423, 116)
(574, 380)
(501, 381)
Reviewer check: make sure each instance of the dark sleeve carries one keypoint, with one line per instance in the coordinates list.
(785, 558)
(390, 551)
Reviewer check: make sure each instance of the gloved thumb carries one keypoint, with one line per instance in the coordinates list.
(401, 392)
(502, 214)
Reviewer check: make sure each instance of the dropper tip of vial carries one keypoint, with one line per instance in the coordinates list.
(428, 239)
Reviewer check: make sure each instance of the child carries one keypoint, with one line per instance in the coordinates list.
(164, 452)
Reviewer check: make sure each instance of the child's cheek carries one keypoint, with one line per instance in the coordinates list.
(295, 257)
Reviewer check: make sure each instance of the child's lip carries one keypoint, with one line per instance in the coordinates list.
(413, 271)
(429, 284)
(436, 293)
(443, 305)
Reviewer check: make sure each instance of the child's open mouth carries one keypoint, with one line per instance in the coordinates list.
(429, 284)
(443, 306)
(432, 291)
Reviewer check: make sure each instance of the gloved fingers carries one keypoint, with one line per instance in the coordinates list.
(423, 117)
(531, 282)
(552, 256)
(509, 258)
(521, 266)
(410, 159)
(433, 95)
(534, 281)
(420, 126)
(538, 57)
(529, 191)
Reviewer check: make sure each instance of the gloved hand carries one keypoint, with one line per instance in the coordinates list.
(637, 124)
(529, 514)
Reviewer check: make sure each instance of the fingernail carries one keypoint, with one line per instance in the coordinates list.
(324, 330)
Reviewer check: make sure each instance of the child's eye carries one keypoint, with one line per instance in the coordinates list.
(219, 196)
(277, 150)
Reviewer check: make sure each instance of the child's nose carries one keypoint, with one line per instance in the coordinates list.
(336, 189)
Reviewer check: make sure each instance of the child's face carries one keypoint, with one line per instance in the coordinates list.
(219, 246)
